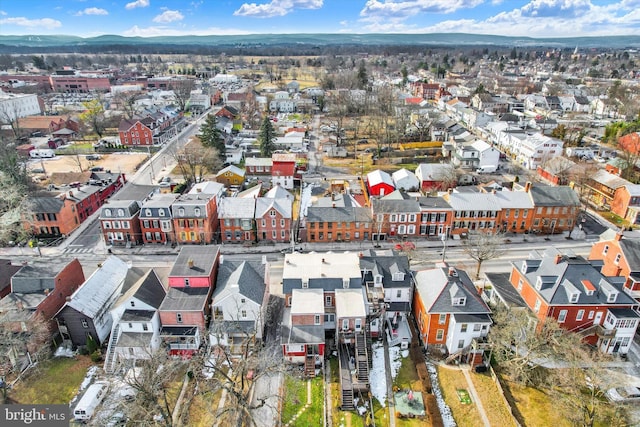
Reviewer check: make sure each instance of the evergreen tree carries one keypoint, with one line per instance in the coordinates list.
(266, 137)
(363, 80)
(210, 135)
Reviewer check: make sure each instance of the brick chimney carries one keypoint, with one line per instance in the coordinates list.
(558, 258)
(619, 236)
(527, 187)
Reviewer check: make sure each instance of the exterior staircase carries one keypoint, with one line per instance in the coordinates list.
(347, 400)
(457, 354)
(346, 386)
(369, 341)
(310, 366)
(110, 359)
(362, 362)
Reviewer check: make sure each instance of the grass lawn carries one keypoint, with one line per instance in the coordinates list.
(450, 381)
(296, 398)
(497, 411)
(202, 411)
(408, 376)
(535, 406)
(84, 147)
(57, 382)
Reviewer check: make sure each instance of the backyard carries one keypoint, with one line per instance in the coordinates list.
(296, 395)
(55, 382)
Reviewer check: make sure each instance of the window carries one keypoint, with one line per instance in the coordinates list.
(316, 319)
(358, 324)
(243, 314)
(133, 303)
(463, 327)
(179, 317)
(327, 301)
(580, 315)
(442, 319)
(120, 212)
(460, 343)
(476, 327)
(574, 297)
(439, 334)
(181, 212)
(537, 306)
(399, 293)
(590, 316)
(187, 283)
(196, 212)
(147, 212)
(520, 283)
(617, 260)
(345, 324)
(562, 316)
(85, 324)
(161, 212)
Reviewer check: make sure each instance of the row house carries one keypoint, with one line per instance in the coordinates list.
(389, 287)
(325, 305)
(473, 212)
(516, 214)
(186, 308)
(555, 208)
(527, 148)
(283, 170)
(425, 90)
(436, 216)
(450, 314)
(620, 257)
(610, 191)
(135, 331)
(86, 313)
(237, 219)
(395, 217)
(134, 133)
(195, 218)
(59, 215)
(119, 221)
(35, 294)
(337, 224)
(576, 293)
(258, 166)
(239, 304)
(273, 219)
(156, 222)
(435, 176)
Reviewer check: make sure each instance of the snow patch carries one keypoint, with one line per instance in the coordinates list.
(378, 376)
(445, 411)
(88, 379)
(64, 352)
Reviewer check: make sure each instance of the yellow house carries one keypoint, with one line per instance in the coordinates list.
(231, 176)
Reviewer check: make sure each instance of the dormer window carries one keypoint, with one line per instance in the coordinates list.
(272, 213)
(345, 283)
(147, 212)
(612, 297)
(161, 212)
(181, 212)
(305, 283)
(539, 283)
(120, 212)
(398, 276)
(107, 212)
(196, 212)
(574, 297)
(377, 279)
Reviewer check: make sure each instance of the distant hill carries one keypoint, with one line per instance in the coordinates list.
(32, 43)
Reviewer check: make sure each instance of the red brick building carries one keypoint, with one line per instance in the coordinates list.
(119, 220)
(133, 132)
(620, 257)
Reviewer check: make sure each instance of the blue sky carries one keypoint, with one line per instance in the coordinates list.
(536, 18)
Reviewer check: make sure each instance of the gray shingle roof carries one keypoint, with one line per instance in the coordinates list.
(560, 278)
(503, 287)
(45, 204)
(135, 192)
(185, 299)
(338, 214)
(264, 205)
(385, 206)
(436, 286)
(234, 207)
(243, 277)
(473, 202)
(631, 250)
(544, 195)
(386, 266)
(203, 257)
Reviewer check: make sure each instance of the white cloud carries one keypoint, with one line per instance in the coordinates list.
(537, 18)
(92, 11)
(137, 3)
(169, 16)
(46, 23)
(276, 8)
(136, 31)
(3, 13)
(405, 8)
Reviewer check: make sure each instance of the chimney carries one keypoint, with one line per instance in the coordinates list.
(558, 258)
(450, 190)
(452, 272)
(221, 259)
(190, 263)
(323, 261)
(619, 236)
(70, 193)
(333, 205)
(19, 305)
(493, 191)
(527, 187)
(67, 299)
(198, 190)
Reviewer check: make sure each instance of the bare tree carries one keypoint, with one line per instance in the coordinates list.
(182, 91)
(481, 247)
(9, 116)
(194, 161)
(94, 116)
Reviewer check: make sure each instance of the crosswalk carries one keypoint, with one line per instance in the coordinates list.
(77, 250)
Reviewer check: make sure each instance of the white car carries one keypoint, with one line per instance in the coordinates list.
(626, 394)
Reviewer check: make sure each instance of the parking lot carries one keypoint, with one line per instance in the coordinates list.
(116, 162)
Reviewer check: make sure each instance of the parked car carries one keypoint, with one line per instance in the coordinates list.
(94, 157)
(627, 394)
(97, 169)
